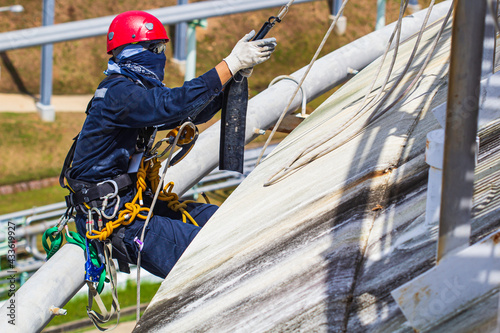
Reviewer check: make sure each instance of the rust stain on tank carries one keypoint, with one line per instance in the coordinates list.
(496, 238)
(417, 297)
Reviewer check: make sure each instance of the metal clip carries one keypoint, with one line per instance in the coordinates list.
(63, 220)
(139, 243)
(67, 232)
(154, 152)
(90, 219)
(115, 186)
(105, 200)
(90, 222)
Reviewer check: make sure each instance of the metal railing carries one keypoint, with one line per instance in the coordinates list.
(99, 26)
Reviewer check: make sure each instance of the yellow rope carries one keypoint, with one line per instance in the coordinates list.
(167, 195)
(174, 204)
(149, 171)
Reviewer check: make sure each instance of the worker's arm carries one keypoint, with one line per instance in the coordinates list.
(223, 72)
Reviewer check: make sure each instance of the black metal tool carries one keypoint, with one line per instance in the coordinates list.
(234, 110)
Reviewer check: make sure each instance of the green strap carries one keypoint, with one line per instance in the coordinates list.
(56, 239)
(77, 239)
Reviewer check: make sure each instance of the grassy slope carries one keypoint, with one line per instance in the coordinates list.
(34, 150)
(78, 65)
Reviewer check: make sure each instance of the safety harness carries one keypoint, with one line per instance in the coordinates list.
(106, 242)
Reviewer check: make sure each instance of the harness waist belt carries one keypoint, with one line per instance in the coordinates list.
(91, 192)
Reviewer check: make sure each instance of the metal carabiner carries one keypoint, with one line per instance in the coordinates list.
(67, 232)
(90, 220)
(154, 152)
(108, 196)
(115, 211)
(115, 186)
(63, 220)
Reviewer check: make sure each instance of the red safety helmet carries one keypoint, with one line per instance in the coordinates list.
(134, 26)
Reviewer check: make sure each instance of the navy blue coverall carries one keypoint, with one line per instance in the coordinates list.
(120, 108)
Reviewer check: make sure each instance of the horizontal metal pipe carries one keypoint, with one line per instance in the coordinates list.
(99, 26)
(31, 267)
(32, 211)
(31, 230)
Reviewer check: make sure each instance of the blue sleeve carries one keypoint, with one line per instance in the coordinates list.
(210, 110)
(130, 105)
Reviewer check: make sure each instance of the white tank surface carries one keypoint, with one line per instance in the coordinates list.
(316, 242)
(328, 72)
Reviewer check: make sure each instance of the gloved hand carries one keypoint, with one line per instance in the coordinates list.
(247, 54)
(246, 72)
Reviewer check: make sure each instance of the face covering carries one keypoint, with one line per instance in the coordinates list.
(138, 63)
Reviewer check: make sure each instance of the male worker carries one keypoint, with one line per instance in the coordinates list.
(127, 104)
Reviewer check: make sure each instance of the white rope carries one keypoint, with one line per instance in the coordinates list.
(150, 213)
(320, 48)
(359, 112)
(293, 166)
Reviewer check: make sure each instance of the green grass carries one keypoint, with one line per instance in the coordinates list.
(32, 149)
(29, 199)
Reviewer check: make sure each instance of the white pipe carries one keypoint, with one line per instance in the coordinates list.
(52, 285)
(434, 157)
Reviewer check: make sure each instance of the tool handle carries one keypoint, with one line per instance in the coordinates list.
(264, 30)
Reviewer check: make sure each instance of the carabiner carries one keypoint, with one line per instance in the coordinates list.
(90, 220)
(117, 206)
(67, 232)
(63, 220)
(115, 186)
(154, 152)
(108, 196)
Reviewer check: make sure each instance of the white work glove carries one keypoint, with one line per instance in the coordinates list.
(247, 54)
(246, 72)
